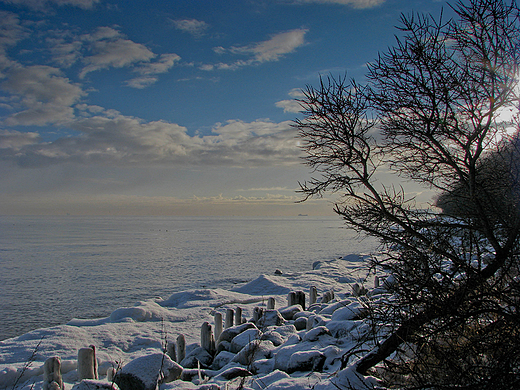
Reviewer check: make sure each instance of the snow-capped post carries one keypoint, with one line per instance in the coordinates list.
(257, 314)
(291, 298)
(310, 322)
(300, 299)
(52, 379)
(270, 303)
(206, 338)
(229, 318)
(87, 363)
(181, 347)
(327, 297)
(376, 282)
(238, 316)
(313, 295)
(170, 350)
(358, 290)
(111, 373)
(218, 325)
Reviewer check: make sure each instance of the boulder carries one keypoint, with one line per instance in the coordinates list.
(147, 372)
(274, 337)
(289, 312)
(315, 333)
(255, 350)
(244, 338)
(306, 361)
(198, 355)
(230, 333)
(232, 373)
(300, 323)
(223, 358)
(93, 384)
(271, 318)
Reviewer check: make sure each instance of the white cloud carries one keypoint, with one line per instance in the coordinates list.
(46, 96)
(41, 4)
(117, 139)
(10, 33)
(162, 65)
(15, 140)
(279, 45)
(269, 50)
(292, 105)
(197, 28)
(65, 54)
(141, 82)
(352, 3)
(116, 53)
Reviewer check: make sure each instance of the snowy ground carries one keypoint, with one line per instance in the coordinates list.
(136, 332)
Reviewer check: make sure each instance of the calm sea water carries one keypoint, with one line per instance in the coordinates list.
(53, 269)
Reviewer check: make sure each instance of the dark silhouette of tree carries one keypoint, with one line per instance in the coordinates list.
(431, 113)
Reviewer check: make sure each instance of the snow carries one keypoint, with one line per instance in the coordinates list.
(131, 335)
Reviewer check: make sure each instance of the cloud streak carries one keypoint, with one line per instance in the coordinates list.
(194, 27)
(272, 49)
(43, 4)
(353, 3)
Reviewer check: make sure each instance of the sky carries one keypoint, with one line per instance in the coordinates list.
(171, 107)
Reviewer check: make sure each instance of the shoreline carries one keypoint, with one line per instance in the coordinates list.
(133, 332)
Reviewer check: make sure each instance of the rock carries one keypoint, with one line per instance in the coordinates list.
(339, 329)
(306, 361)
(289, 312)
(230, 333)
(350, 312)
(199, 354)
(286, 331)
(300, 323)
(315, 333)
(255, 350)
(283, 355)
(274, 337)
(304, 313)
(335, 306)
(262, 382)
(244, 338)
(232, 373)
(209, 387)
(223, 346)
(315, 320)
(93, 384)
(271, 318)
(262, 366)
(222, 359)
(147, 372)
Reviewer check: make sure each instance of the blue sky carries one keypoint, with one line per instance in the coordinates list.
(171, 107)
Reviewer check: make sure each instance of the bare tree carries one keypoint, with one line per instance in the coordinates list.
(431, 113)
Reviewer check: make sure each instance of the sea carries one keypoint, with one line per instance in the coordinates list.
(53, 269)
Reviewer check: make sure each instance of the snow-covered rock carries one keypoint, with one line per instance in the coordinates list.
(147, 372)
(255, 350)
(244, 338)
(271, 318)
(198, 355)
(95, 384)
(306, 361)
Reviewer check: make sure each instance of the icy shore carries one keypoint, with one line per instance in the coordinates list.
(301, 351)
